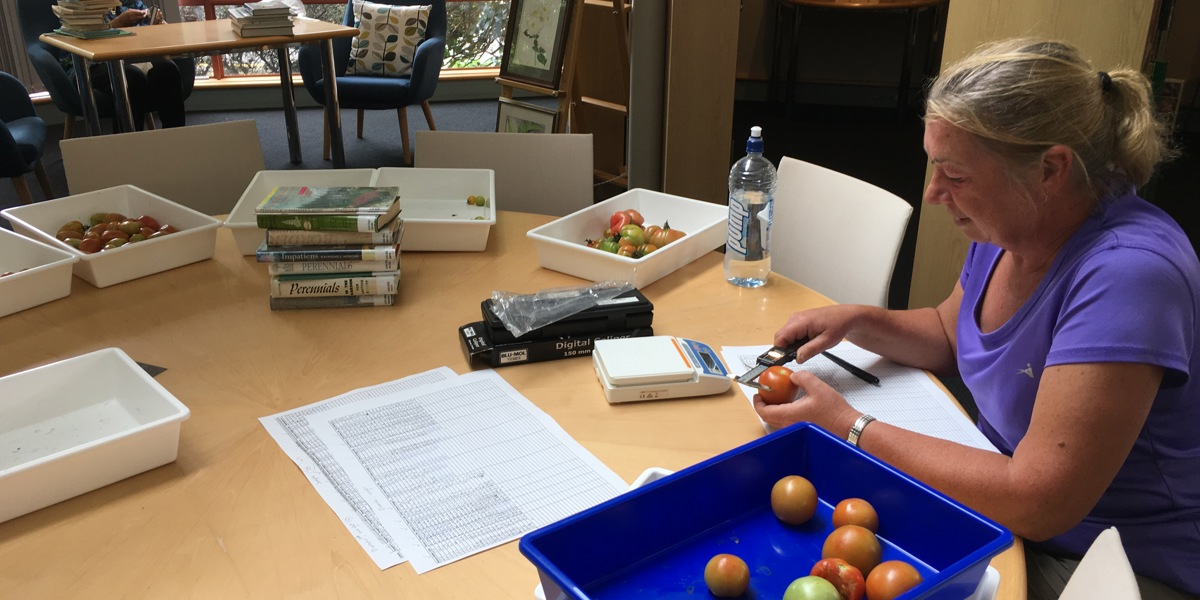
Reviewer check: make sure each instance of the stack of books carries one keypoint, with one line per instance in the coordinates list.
(257, 19)
(85, 18)
(331, 247)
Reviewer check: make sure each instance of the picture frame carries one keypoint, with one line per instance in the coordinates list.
(535, 40)
(513, 116)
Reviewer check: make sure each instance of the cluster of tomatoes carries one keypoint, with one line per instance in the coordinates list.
(627, 235)
(851, 565)
(111, 230)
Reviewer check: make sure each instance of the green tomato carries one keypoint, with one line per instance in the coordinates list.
(634, 233)
(811, 588)
(609, 245)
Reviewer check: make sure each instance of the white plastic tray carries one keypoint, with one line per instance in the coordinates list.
(196, 239)
(40, 273)
(561, 246)
(57, 442)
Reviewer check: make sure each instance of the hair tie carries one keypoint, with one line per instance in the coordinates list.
(1105, 81)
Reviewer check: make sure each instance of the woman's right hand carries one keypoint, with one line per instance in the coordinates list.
(824, 327)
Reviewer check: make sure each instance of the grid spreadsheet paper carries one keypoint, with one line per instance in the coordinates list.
(462, 465)
(906, 397)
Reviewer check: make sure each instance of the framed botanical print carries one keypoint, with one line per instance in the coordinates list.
(518, 117)
(535, 40)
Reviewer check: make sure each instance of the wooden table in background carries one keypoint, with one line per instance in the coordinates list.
(233, 517)
(197, 38)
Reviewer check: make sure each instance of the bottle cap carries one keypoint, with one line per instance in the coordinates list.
(755, 143)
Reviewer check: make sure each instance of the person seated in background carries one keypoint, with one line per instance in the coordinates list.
(157, 89)
(1075, 322)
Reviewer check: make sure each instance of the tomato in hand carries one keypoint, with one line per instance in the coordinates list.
(856, 511)
(856, 545)
(779, 379)
(810, 588)
(794, 499)
(726, 576)
(844, 576)
(891, 579)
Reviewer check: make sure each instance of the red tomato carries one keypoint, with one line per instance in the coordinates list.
(856, 511)
(726, 576)
(635, 217)
(779, 379)
(810, 588)
(618, 220)
(856, 545)
(890, 579)
(844, 576)
(794, 499)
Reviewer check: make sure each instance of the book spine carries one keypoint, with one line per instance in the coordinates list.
(301, 237)
(356, 285)
(332, 301)
(362, 223)
(332, 266)
(299, 254)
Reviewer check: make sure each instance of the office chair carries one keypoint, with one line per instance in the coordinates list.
(36, 18)
(543, 173)
(374, 92)
(836, 234)
(22, 138)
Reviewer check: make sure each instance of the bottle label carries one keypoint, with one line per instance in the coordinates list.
(746, 237)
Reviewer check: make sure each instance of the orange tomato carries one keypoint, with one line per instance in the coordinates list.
(726, 576)
(779, 379)
(856, 545)
(891, 579)
(856, 511)
(794, 499)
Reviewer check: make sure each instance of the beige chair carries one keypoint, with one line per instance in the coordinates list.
(203, 167)
(544, 173)
(836, 234)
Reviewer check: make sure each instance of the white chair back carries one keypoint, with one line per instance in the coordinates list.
(836, 234)
(543, 173)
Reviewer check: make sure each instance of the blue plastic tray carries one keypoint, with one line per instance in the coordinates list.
(654, 541)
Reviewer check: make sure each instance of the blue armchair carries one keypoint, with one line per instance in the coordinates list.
(367, 92)
(37, 17)
(22, 138)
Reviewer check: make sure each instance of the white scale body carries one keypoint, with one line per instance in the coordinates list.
(657, 368)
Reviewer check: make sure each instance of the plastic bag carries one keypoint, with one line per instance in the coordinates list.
(522, 313)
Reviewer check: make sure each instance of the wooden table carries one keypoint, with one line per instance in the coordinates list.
(195, 38)
(233, 517)
(912, 9)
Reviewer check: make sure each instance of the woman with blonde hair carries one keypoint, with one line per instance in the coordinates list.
(1075, 322)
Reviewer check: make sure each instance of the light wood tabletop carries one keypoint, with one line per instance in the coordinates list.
(233, 517)
(191, 38)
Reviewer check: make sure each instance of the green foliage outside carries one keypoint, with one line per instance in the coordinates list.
(474, 38)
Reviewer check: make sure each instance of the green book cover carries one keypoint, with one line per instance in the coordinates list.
(311, 208)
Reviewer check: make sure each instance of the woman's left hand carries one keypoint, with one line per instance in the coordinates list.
(816, 403)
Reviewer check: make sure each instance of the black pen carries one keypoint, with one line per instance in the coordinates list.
(857, 372)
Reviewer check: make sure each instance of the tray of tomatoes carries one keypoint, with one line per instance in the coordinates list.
(792, 508)
(628, 235)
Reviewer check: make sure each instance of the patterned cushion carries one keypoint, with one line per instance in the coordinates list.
(387, 39)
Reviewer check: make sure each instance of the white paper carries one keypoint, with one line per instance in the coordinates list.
(906, 397)
(297, 439)
(460, 466)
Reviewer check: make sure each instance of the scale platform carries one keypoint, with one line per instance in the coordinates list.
(657, 368)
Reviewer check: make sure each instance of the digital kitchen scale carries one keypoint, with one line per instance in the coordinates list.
(657, 368)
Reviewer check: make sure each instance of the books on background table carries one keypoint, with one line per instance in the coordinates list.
(86, 18)
(331, 247)
(257, 19)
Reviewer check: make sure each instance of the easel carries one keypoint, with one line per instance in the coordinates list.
(569, 92)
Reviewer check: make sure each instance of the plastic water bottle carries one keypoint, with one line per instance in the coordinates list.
(751, 196)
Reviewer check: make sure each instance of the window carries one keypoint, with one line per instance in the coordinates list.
(474, 35)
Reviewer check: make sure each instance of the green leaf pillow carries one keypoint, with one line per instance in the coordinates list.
(387, 39)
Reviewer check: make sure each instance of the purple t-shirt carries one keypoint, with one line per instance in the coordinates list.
(1124, 288)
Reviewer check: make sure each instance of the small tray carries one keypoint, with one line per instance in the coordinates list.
(40, 273)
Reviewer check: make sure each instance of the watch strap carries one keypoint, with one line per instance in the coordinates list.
(858, 427)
